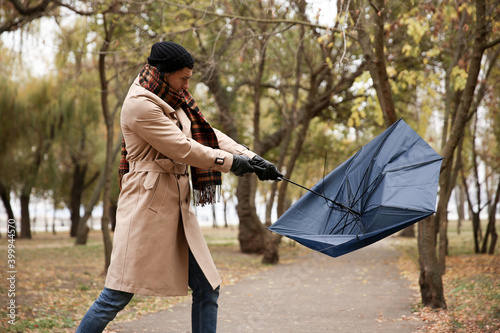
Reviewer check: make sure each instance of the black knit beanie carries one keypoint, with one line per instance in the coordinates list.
(169, 57)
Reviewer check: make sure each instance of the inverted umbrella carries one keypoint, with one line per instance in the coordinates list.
(389, 184)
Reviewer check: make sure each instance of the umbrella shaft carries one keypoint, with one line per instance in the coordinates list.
(321, 195)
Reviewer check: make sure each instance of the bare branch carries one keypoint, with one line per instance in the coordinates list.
(254, 19)
(110, 8)
(28, 11)
(491, 44)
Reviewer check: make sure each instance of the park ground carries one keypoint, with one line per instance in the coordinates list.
(56, 282)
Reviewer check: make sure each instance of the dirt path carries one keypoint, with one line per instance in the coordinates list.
(358, 292)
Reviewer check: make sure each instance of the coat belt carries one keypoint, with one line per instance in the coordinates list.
(161, 166)
(154, 168)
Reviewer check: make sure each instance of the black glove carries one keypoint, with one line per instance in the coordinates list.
(265, 170)
(241, 165)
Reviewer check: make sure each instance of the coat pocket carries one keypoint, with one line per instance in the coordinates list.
(158, 184)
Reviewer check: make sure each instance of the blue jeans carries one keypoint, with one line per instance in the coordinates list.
(203, 310)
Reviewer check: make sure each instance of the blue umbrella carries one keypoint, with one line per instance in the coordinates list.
(389, 184)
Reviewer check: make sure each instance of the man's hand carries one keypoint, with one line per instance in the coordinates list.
(241, 165)
(265, 170)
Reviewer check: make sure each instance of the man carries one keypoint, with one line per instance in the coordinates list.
(158, 247)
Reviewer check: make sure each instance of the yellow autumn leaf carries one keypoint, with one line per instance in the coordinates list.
(432, 52)
(463, 7)
(416, 30)
(361, 90)
(379, 115)
(458, 78)
(354, 120)
(350, 122)
(406, 49)
(394, 87)
(391, 71)
(329, 62)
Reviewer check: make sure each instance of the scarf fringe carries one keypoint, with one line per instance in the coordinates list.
(210, 194)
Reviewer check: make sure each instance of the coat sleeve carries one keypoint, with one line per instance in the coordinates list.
(231, 146)
(147, 121)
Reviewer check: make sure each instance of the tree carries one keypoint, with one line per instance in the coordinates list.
(492, 159)
(78, 143)
(463, 71)
(374, 51)
(7, 132)
(377, 22)
(120, 29)
(39, 115)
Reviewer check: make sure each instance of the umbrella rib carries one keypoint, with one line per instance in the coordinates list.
(349, 210)
(324, 197)
(414, 165)
(368, 188)
(338, 223)
(328, 218)
(355, 221)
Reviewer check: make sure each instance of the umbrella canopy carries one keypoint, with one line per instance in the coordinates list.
(389, 184)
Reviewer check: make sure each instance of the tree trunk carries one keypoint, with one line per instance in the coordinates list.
(408, 232)
(460, 200)
(113, 207)
(109, 121)
(5, 195)
(83, 228)
(271, 250)
(491, 228)
(105, 220)
(476, 221)
(442, 216)
(25, 216)
(214, 217)
(431, 285)
(250, 234)
(76, 197)
(225, 212)
(474, 215)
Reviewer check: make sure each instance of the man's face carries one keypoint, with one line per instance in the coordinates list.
(179, 80)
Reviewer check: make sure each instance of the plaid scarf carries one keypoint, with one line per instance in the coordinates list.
(206, 182)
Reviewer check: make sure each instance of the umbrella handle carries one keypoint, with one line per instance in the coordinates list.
(321, 195)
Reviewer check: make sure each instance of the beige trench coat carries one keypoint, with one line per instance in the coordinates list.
(155, 224)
